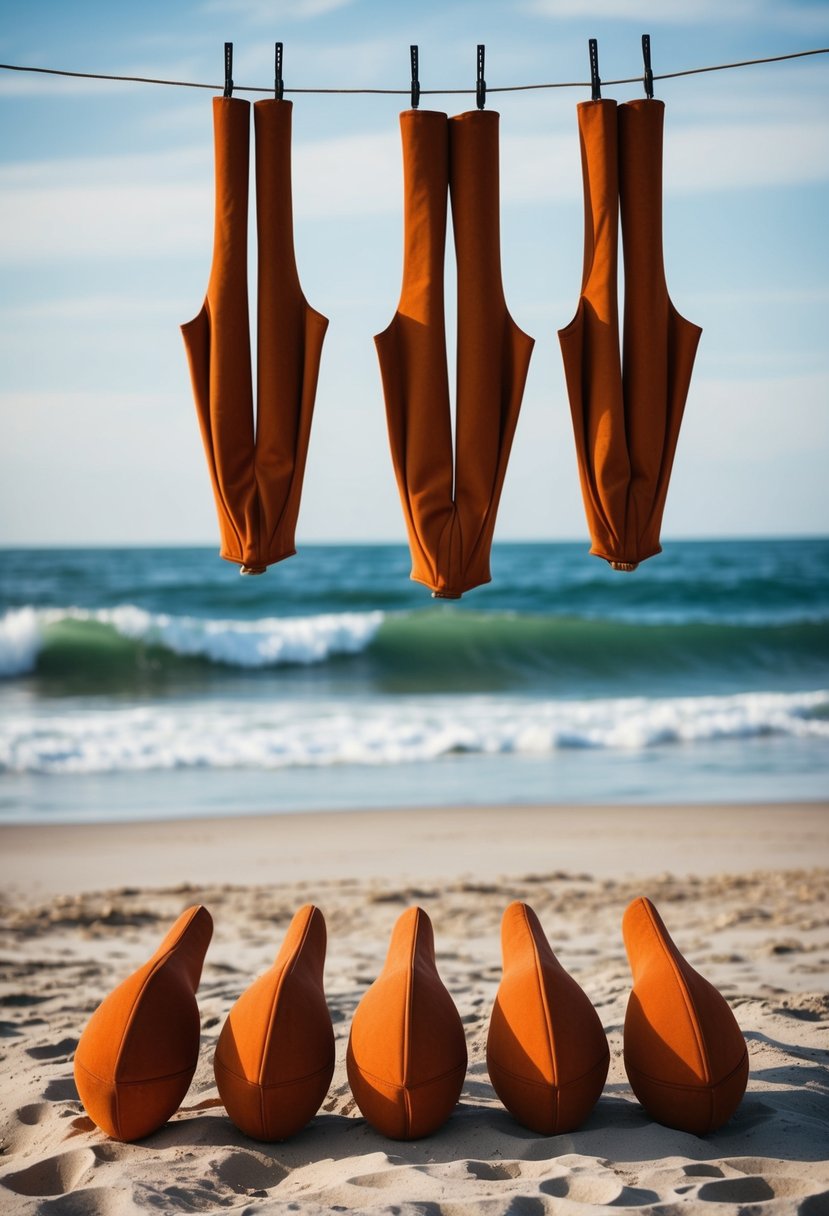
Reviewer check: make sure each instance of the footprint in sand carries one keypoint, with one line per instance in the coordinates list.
(52, 1176)
(22, 1128)
(61, 1089)
(53, 1051)
(21, 1000)
(597, 1191)
(485, 1172)
(35, 1112)
(757, 1190)
(245, 1172)
(94, 1201)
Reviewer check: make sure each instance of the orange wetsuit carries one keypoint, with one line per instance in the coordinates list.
(627, 409)
(450, 502)
(257, 480)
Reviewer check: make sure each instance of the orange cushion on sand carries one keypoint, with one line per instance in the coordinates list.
(275, 1056)
(407, 1051)
(136, 1058)
(685, 1056)
(546, 1052)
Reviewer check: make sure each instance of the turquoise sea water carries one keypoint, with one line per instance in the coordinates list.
(158, 683)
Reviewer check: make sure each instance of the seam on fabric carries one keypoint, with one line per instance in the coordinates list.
(286, 969)
(308, 1076)
(539, 978)
(407, 1010)
(217, 481)
(167, 1076)
(707, 1085)
(155, 969)
(686, 999)
(545, 1084)
(364, 1072)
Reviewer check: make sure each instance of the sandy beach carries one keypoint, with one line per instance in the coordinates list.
(742, 889)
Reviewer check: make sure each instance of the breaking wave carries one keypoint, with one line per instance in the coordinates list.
(268, 736)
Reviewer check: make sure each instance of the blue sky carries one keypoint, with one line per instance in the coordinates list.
(106, 230)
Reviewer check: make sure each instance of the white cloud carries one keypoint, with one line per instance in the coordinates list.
(740, 156)
(98, 309)
(158, 205)
(354, 175)
(685, 12)
(41, 84)
(800, 16)
(784, 416)
(140, 205)
(271, 12)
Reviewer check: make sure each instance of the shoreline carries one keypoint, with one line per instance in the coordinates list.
(39, 861)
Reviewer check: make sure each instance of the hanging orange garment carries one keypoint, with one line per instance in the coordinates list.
(627, 408)
(257, 476)
(450, 500)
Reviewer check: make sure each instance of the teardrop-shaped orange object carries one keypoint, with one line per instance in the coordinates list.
(407, 1050)
(685, 1056)
(136, 1058)
(275, 1056)
(546, 1052)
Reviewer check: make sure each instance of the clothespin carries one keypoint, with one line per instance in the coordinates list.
(480, 87)
(278, 84)
(228, 69)
(595, 79)
(646, 55)
(415, 80)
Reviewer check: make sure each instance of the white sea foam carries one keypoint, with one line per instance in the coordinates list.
(266, 642)
(267, 736)
(20, 640)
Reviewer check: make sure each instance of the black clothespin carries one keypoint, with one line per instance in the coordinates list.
(228, 69)
(646, 55)
(415, 80)
(595, 79)
(278, 83)
(480, 87)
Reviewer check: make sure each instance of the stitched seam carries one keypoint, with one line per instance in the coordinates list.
(545, 1084)
(407, 1015)
(228, 513)
(686, 999)
(280, 983)
(131, 1016)
(411, 1088)
(708, 1085)
(168, 1076)
(308, 1076)
(543, 995)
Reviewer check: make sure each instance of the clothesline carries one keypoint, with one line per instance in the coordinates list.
(511, 88)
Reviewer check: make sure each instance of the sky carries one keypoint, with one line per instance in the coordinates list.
(106, 198)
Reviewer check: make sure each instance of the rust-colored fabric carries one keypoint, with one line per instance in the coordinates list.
(626, 409)
(685, 1056)
(450, 503)
(275, 1056)
(137, 1055)
(406, 1054)
(257, 481)
(546, 1051)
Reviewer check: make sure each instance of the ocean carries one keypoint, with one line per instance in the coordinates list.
(157, 683)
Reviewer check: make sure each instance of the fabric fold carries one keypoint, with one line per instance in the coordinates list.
(626, 404)
(450, 492)
(256, 473)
